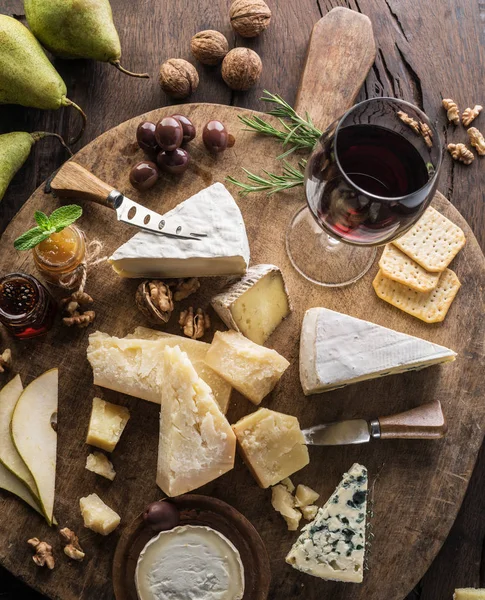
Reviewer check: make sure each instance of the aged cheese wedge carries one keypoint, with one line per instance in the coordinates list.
(196, 351)
(107, 423)
(256, 304)
(224, 251)
(252, 369)
(196, 443)
(190, 562)
(272, 445)
(332, 546)
(337, 349)
(133, 365)
(97, 515)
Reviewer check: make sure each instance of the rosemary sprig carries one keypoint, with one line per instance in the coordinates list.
(291, 177)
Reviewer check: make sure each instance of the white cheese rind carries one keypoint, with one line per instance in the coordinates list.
(225, 250)
(332, 546)
(337, 350)
(197, 444)
(256, 304)
(190, 562)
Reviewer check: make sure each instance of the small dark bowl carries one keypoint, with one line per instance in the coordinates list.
(196, 510)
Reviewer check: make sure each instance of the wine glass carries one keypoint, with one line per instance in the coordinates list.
(369, 178)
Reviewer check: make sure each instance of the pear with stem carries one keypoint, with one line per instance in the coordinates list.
(15, 149)
(77, 29)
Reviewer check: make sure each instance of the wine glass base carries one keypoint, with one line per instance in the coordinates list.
(321, 259)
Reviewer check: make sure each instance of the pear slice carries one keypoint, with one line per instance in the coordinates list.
(9, 482)
(35, 438)
(9, 456)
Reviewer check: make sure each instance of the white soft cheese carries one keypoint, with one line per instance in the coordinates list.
(190, 563)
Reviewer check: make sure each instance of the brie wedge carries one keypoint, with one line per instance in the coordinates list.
(190, 562)
(333, 545)
(196, 443)
(224, 251)
(337, 349)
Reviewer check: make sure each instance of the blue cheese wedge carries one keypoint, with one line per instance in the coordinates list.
(332, 546)
(191, 561)
(337, 349)
(224, 251)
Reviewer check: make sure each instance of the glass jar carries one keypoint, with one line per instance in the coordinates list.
(59, 257)
(26, 308)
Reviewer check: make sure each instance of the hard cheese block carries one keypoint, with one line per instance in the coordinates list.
(253, 370)
(256, 304)
(196, 443)
(97, 515)
(190, 562)
(106, 425)
(272, 445)
(224, 251)
(196, 351)
(336, 349)
(469, 594)
(332, 546)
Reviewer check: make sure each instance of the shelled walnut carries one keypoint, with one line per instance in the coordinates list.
(427, 134)
(249, 18)
(469, 114)
(241, 68)
(72, 548)
(74, 313)
(178, 78)
(461, 152)
(43, 556)
(5, 360)
(477, 140)
(194, 325)
(154, 300)
(183, 288)
(451, 111)
(407, 120)
(209, 47)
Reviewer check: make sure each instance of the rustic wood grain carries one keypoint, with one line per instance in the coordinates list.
(426, 50)
(420, 485)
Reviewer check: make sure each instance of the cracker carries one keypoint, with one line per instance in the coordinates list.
(430, 306)
(397, 266)
(433, 242)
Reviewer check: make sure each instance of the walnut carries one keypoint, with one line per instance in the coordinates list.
(80, 320)
(43, 553)
(469, 114)
(241, 68)
(477, 140)
(74, 313)
(154, 300)
(194, 326)
(178, 78)
(209, 47)
(183, 288)
(405, 118)
(5, 360)
(249, 17)
(451, 111)
(461, 152)
(72, 549)
(427, 134)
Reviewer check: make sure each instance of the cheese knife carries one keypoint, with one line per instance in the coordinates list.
(74, 181)
(426, 422)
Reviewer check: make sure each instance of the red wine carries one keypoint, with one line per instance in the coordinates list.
(368, 184)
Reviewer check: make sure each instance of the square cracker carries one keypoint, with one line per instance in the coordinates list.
(433, 242)
(430, 307)
(397, 266)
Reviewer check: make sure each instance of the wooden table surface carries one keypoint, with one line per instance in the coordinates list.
(426, 51)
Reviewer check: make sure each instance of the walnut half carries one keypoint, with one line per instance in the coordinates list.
(72, 549)
(43, 556)
(154, 300)
(461, 152)
(5, 360)
(194, 325)
(477, 140)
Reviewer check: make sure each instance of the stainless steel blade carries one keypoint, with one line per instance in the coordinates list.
(337, 434)
(137, 215)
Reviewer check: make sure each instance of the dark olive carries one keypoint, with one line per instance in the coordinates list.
(145, 136)
(144, 175)
(216, 137)
(187, 126)
(175, 162)
(161, 516)
(169, 133)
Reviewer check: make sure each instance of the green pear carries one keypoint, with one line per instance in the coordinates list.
(27, 77)
(77, 29)
(14, 151)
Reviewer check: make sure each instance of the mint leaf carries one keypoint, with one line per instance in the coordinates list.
(30, 239)
(65, 216)
(42, 220)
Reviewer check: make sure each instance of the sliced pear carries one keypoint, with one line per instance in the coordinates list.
(12, 484)
(35, 438)
(9, 456)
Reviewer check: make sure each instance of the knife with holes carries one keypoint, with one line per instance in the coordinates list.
(74, 181)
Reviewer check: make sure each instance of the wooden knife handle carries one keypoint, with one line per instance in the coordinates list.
(74, 181)
(424, 422)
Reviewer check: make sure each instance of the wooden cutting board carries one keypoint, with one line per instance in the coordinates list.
(417, 486)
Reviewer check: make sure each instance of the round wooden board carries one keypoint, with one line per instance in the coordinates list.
(418, 485)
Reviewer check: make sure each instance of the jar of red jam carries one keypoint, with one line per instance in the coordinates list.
(26, 307)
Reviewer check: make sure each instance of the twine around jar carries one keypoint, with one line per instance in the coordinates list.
(80, 274)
